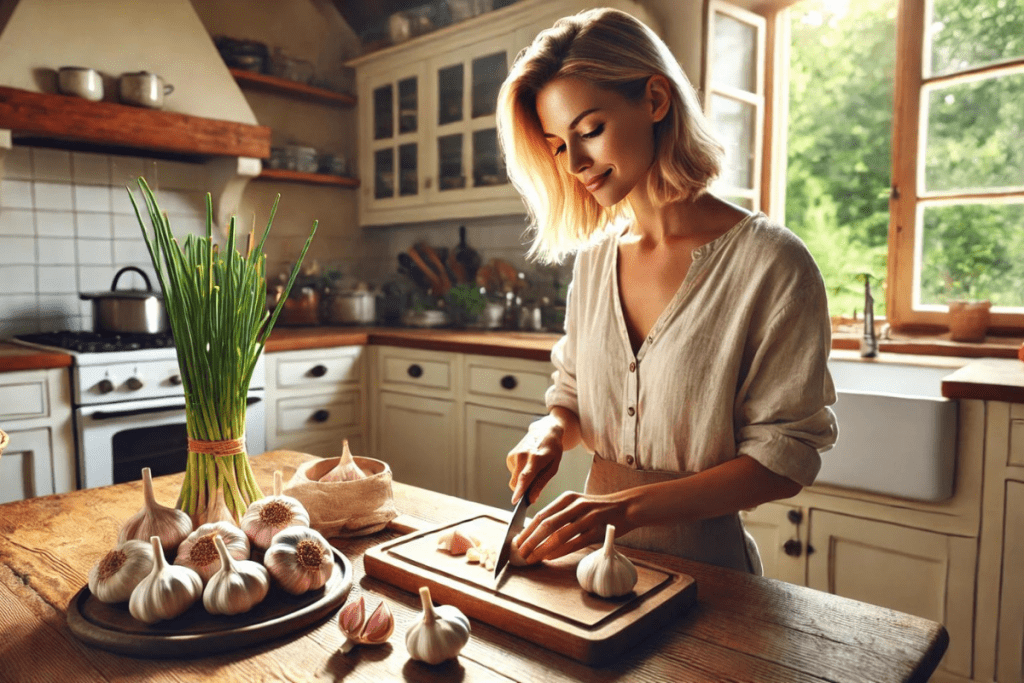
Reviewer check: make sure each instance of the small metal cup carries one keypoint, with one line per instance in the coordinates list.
(81, 82)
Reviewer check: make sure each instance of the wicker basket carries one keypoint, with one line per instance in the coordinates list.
(4, 440)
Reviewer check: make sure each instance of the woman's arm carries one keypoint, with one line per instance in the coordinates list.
(537, 456)
(576, 520)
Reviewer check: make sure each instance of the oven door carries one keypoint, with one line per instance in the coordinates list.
(115, 441)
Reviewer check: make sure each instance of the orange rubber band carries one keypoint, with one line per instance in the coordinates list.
(217, 448)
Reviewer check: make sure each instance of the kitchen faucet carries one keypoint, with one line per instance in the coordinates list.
(868, 342)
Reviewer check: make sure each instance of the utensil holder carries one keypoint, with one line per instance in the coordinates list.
(968, 320)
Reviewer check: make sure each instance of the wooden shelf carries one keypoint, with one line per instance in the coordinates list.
(314, 178)
(292, 88)
(63, 117)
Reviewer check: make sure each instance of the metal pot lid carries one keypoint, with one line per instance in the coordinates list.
(129, 294)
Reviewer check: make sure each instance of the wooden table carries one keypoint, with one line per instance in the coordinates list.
(743, 628)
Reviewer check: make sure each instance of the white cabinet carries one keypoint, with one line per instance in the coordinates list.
(316, 399)
(428, 146)
(35, 411)
(780, 532)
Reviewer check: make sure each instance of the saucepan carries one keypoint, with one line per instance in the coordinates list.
(128, 311)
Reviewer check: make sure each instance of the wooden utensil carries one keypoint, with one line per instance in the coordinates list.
(435, 282)
(438, 264)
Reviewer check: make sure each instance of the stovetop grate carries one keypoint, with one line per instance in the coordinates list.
(94, 342)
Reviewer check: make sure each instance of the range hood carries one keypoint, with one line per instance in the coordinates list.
(206, 119)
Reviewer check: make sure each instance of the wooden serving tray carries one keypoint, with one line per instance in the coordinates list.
(543, 603)
(198, 633)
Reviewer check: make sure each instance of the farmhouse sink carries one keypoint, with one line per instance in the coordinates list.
(897, 434)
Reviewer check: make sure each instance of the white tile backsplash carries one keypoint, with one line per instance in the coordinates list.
(17, 222)
(95, 278)
(18, 279)
(90, 169)
(16, 194)
(92, 198)
(57, 280)
(131, 252)
(56, 196)
(95, 252)
(18, 163)
(16, 251)
(55, 223)
(127, 226)
(94, 225)
(51, 164)
(18, 306)
(55, 251)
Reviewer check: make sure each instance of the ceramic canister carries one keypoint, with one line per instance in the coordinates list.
(80, 82)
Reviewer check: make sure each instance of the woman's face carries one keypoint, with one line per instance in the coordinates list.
(599, 136)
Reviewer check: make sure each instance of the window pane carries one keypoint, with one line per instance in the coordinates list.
(407, 106)
(384, 173)
(734, 49)
(970, 33)
(449, 94)
(488, 164)
(974, 135)
(973, 251)
(734, 124)
(449, 162)
(383, 124)
(407, 165)
(488, 74)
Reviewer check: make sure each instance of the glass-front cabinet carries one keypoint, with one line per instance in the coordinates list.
(396, 111)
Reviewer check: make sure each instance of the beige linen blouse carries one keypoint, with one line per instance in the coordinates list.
(735, 364)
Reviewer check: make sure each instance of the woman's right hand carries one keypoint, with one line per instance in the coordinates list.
(535, 459)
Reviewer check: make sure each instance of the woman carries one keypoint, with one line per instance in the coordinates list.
(693, 363)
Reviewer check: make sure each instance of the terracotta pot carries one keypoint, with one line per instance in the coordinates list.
(968, 320)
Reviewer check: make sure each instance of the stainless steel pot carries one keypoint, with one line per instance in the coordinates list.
(128, 311)
(353, 308)
(143, 89)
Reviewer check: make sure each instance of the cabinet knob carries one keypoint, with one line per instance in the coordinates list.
(795, 516)
(104, 386)
(174, 379)
(318, 370)
(509, 382)
(134, 383)
(793, 548)
(321, 415)
(415, 371)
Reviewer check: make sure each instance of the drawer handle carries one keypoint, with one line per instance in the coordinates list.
(318, 370)
(509, 382)
(415, 371)
(793, 548)
(795, 516)
(321, 415)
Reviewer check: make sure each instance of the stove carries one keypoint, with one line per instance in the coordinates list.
(129, 404)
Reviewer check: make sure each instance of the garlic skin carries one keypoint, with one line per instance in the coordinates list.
(346, 469)
(357, 629)
(440, 635)
(300, 559)
(269, 515)
(237, 587)
(153, 519)
(606, 571)
(199, 551)
(116, 575)
(167, 592)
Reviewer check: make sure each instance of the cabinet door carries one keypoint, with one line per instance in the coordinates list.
(490, 435)
(467, 164)
(919, 572)
(416, 437)
(1011, 598)
(781, 536)
(25, 470)
(392, 167)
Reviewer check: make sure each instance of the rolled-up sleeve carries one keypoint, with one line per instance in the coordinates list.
(563, 356)
(783, 417)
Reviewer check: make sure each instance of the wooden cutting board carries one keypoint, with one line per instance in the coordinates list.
(543, 603)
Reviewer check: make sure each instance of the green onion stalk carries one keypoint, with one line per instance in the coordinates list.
(216, 304)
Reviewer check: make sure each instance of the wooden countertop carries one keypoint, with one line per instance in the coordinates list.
(743, 628)
(17, 357)
(990, 379)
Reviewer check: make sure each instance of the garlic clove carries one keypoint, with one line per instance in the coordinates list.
(300, 559)
(116, 575)
(267, 516)
(607, 572)
(441, 633)
(199, 550)
(167, 592)
(346, 469)
(153, 519)
(358, 629)
(379, 626)
(237, 587)
(350, 621)
(457, 541)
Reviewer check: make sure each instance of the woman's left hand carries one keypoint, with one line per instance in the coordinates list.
(573, 521)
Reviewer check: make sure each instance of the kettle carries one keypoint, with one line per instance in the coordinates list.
(143, 89)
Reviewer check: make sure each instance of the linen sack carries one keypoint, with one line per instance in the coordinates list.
(344, 508)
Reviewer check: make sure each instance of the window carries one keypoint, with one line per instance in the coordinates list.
(892, 146)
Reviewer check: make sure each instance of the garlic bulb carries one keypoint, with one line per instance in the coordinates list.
(358, 629)
(237, 587)
(346, 469)
(300, 559)
(199, 550)
(440, 635)
(606, 571)
(267, 516)
(115, 576)
(168, 591)
(172, 526)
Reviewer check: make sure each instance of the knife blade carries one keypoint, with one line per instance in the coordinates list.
(515, 525)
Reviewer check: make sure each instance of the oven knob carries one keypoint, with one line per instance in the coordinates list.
(174, 379)
(104, 386)
(134, 383)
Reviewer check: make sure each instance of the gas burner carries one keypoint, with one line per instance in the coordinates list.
(94, 342)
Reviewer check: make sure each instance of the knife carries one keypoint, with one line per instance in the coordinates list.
(515, 525)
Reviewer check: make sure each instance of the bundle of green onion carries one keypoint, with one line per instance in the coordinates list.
(216, 303)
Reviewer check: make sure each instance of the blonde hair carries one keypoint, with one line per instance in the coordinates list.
(610, 49)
